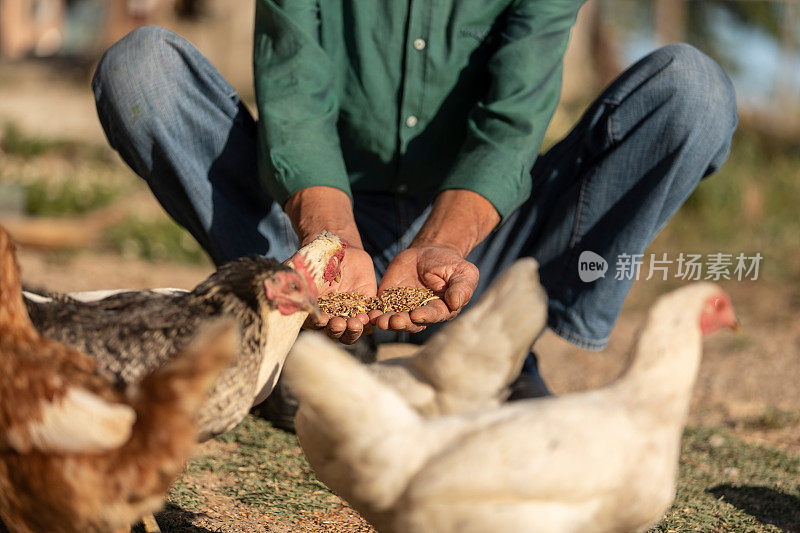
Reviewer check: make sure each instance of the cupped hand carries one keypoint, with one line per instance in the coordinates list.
(357, 275)
(440, 269)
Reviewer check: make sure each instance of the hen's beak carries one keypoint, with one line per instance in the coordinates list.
(313, 310)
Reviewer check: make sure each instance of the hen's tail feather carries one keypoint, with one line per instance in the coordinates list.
(12, 307)
(476, 357)
(167, 402)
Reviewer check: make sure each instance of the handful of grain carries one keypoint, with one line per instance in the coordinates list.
(398, 299)
(404, 299)
(346, 304)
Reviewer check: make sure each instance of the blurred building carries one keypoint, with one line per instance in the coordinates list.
(83, 29)
(30, 27)
(41, 28)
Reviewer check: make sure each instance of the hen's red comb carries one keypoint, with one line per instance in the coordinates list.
(717, 314)
(333, 268)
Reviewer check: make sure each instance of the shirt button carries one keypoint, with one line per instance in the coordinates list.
(411, 121)
(419, 44)
(402, 188)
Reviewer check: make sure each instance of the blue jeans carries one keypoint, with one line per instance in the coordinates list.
(634, 157)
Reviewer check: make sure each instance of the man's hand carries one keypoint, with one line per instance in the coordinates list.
(436, 259)
(358, 275)
(314, 209)
(440, 269)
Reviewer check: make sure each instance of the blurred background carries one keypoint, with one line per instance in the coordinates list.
(86, 222)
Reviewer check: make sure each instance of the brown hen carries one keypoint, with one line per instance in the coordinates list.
(76, 454)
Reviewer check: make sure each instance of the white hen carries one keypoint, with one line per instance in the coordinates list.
(601, 461)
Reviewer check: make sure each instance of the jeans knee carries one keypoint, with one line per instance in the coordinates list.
(144, 40)
(136, 80)
(702, 95)
(127, 60)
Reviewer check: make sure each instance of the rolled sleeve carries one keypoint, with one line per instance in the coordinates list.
(298, 142)
(493, 174)
(506, 128)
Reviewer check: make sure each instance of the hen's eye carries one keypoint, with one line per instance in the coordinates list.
(293, 286)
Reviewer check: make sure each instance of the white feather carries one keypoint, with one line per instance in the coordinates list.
(80, 422)
(93, 296)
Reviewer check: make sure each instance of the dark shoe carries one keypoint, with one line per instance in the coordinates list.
(529, 384)
(281, 405)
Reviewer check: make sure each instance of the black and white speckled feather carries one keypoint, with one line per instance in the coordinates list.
(132, 333)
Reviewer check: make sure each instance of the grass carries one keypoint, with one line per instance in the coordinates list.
(68, 197)
(184, 495)
(159, 239)
(750, 205)
(16, 143)
(727, 484)
(65, 178)
(58, 177)
(265, 469)
(272, 473)
(773, 418)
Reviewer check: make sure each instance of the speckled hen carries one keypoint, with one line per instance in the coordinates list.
(132, 333)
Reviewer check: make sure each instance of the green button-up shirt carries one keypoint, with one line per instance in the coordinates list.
(407, 96)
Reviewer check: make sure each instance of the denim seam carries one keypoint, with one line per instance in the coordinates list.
(610, 129)
(578, 340)
(579, 213)
(565, 269)
(618, 101)
(576, 228)
(581, 209)
(288, 231)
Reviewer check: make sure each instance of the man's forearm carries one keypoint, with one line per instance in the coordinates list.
(314, 209)
(459, 220)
